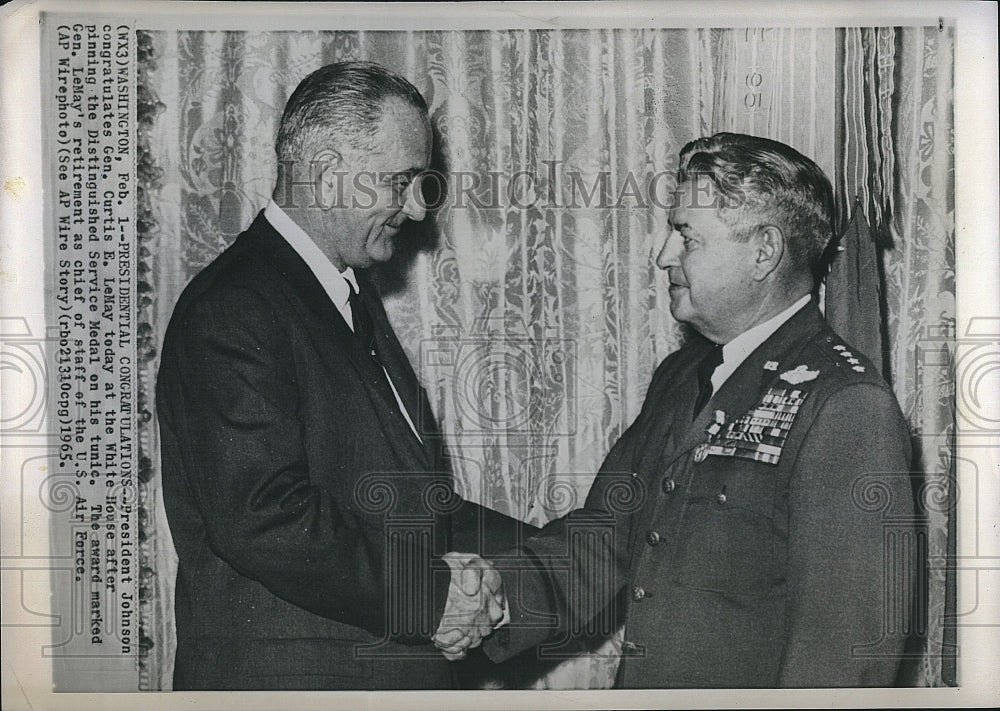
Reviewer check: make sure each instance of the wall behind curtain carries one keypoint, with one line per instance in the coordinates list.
(533, 315)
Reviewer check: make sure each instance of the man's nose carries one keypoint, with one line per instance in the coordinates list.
(669, 254)
(414, 207)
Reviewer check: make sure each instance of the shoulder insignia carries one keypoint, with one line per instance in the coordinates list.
(849, 358)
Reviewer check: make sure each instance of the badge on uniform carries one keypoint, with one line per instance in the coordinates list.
(799, 374)
(850, 358)
(759, 434)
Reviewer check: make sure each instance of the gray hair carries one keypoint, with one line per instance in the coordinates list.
(340, 105)
(760, 182)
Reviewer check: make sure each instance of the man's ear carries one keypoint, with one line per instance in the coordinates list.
(328, 165)
(769, 241)
(314, 182)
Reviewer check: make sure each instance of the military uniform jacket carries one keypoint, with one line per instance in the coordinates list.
(308, 518)
(745, 548)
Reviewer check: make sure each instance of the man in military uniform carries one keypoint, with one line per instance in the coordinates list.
(738, 523)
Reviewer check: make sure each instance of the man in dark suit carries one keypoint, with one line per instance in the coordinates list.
(738, 526)
(302, 470)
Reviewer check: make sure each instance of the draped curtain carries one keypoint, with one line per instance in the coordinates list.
(897, 168)
(529, 306)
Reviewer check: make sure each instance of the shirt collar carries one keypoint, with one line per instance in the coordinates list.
(333, 280)
(737, 350)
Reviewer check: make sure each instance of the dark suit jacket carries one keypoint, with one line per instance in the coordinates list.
(308, 519)
(733, 571)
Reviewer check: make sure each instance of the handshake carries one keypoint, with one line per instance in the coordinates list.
(475, 605)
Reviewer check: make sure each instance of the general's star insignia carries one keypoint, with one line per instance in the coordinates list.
(799, 374)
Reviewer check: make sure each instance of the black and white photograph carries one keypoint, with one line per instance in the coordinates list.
(524, 355)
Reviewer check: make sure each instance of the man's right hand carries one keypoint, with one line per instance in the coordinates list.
(474, 608)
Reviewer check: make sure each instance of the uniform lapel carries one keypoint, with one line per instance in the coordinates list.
(674, 403)
(744, 388)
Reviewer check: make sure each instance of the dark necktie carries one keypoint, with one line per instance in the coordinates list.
(364, 329)
(705, 370)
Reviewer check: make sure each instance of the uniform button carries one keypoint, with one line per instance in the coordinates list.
(638, 593)
(652, 538)
(635, 475)
(668, 485)
(720, 498)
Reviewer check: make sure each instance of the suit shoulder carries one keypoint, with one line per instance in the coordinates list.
(235, 275)
(236, 290)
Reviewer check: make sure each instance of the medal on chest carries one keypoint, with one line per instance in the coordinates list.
(760, 433)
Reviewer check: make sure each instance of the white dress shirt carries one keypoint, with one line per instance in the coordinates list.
(737, 350)
(333, 281)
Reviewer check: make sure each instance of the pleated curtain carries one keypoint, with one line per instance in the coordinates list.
(530, 306)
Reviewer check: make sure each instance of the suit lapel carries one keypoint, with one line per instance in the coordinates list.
(398, 366)
(390, 351)
(330, 332)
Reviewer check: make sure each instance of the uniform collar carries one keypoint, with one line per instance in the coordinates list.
(737, 350)
(758, 371)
